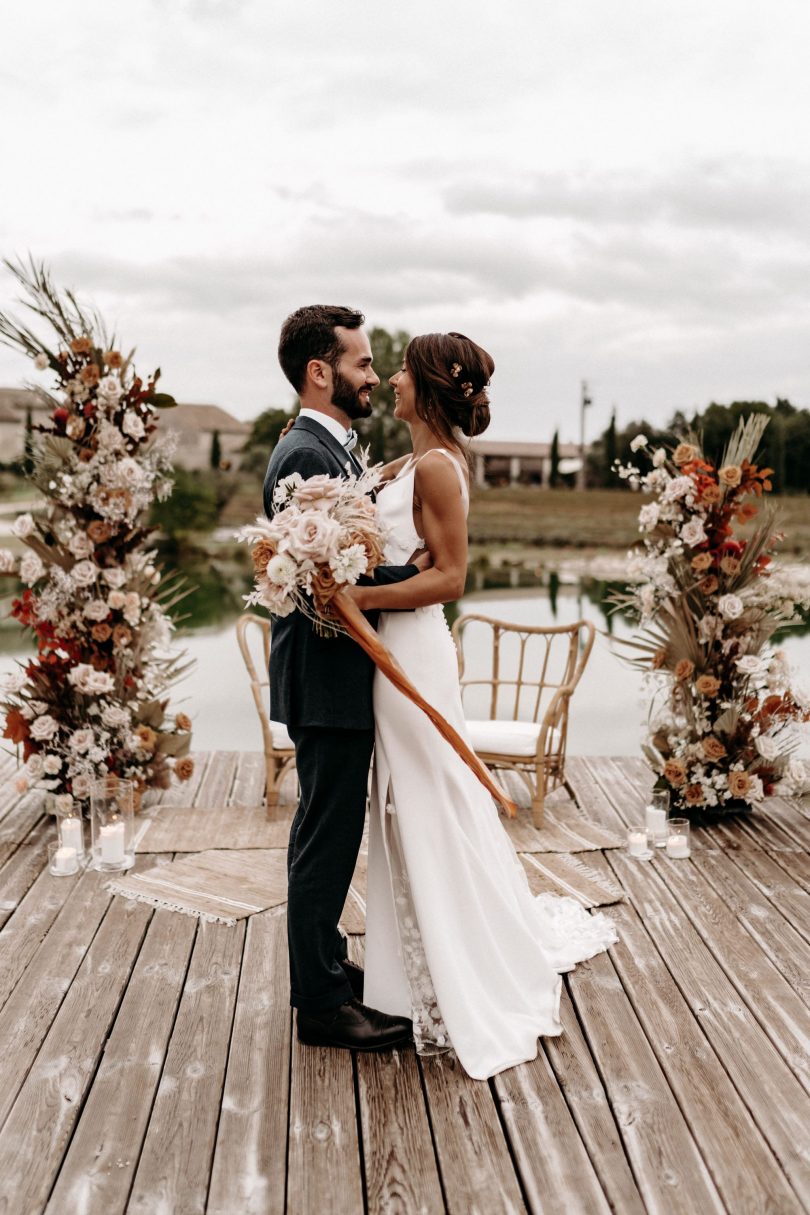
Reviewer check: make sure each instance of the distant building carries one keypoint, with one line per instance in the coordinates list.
(502, 462)
(194, 426)
(14, 406)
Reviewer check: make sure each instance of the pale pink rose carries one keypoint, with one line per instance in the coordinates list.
(314, 536)
(81, 785)
(318, 492)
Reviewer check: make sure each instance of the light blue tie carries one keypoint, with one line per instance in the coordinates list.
(350, 442)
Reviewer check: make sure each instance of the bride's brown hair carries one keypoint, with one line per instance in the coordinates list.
(451, 374)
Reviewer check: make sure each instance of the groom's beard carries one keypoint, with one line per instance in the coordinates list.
(348, 398)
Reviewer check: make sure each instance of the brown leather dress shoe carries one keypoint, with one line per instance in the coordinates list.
(355, 975)
(352, 1026)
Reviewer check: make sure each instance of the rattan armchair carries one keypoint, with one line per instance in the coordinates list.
(279, 752)
(530, 682)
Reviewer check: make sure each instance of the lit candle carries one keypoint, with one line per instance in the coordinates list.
(64, 860)
(70, 834)
(112, 843)
(657, 823)
(637, 843)
(678, 845)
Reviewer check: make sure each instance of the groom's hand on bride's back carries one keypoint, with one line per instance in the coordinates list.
(421, 559)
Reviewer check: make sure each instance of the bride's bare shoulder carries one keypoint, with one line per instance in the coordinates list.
(440, 475)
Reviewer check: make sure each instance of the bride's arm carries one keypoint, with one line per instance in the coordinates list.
(444, 528)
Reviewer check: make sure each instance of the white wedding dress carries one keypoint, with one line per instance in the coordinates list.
(454, 937)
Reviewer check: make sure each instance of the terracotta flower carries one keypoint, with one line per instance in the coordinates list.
(684, 668)
(81, 345)
(324, 586)
(262, 552)
(101, 632)
(147, 738)
(745, 511)
(99, 531)
(713, 748)
(708, 685)
(90, 374)
(658, 659)
(709, 585)
(739, 783)
(184, 768)
(122, 635)
(730, 566)
(693, 795)
(731, 475)
(113, 359)
(675, 772)
(183, 722)
(701, 562)
(711, 494)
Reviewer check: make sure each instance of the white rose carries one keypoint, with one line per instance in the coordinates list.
(44, 728)
(114, 716)
(82, 785)
(35, 766)
(51, 764)
(63, 803)
(90, 681)
(678, 487)
(6, 561)
(796, 772)
(13, 681)
(81, 740)
(659, 457)
(22, 526)
(114, 577)
(31, 568)
(639, 441)
(752, 664)
(132, 607)
(81, 545)
(730, 607)
(116, 600)
(41, 361)
(692, 533)
(312, 536)
(647, 600)
(129, 472)
(96, 609)
(110, 387)
(281, 569)
(133, 426)
(84, 573)
(96, 754)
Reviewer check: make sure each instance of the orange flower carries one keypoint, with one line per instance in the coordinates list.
(684, 668)
(85, 454)
(684, 453)
(713, 748)
(675, 772)
(701, 561)
(261, 553)
(113, 359)
(184, 768)
(658, 659)
(81, 345)
(182, 722)
(90, 374)
(147, 737)
(730, 566)
(693, 795)
(324, 586)
(99, 531)
(731, 475)
(738, 783)
(101, 632)
(707, 685)
(122, 635)
(711, 494)
(709, 585)
(745, 511)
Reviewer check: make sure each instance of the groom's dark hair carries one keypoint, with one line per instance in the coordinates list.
(309, 333)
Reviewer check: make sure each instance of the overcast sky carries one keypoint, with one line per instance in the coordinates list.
(618, 192)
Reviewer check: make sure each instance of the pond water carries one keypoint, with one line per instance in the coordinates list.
(609, 709)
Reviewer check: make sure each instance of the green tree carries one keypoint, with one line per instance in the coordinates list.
(611, 451)
(216, 450)
(28, 448)
(797, 451)
(386, 437)
(263, 438)
(554, 472)
(192, 506)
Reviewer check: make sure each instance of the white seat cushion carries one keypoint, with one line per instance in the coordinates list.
(281, 739)
(507, 737)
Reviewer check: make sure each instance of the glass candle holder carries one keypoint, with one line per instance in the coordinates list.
(656, 813)
(69, 825)
(639, 843)
(62, 860)
(678, 843)
(111, 824)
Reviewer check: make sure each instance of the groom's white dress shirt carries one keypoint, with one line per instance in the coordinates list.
(335, 429)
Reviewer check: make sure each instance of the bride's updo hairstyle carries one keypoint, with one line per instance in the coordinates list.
(450, 374)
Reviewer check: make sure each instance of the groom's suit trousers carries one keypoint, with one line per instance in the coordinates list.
(325, 839)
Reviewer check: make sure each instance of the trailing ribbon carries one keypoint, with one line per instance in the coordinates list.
(366, 637)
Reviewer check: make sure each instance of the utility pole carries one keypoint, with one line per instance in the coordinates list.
(585, 401)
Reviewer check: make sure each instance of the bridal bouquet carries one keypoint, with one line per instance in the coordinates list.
(724, 723)
(93, 700)
(323, 536)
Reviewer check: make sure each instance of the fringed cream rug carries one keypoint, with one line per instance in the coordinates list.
(165, 828)
(225, 885)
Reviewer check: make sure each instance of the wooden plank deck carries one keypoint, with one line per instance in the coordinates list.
(148, 1062)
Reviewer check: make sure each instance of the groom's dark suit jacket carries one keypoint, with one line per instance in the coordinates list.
(318, 681)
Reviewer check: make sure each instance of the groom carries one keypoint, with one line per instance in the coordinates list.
(321, 688)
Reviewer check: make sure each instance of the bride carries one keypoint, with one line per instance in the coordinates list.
(455, 939)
